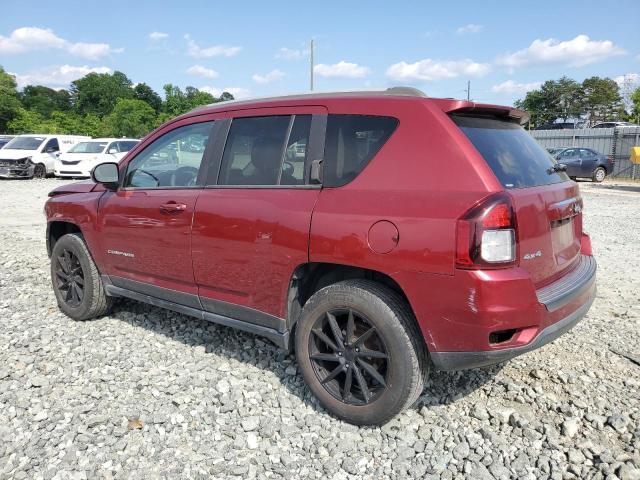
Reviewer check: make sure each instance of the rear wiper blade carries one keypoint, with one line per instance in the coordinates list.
(558, 167)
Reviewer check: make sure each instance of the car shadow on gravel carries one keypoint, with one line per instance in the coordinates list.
(442, 388)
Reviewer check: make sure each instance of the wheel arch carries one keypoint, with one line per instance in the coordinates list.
(308, 278)
(56, 229)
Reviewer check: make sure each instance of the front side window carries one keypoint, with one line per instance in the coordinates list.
(126, 145)
(52, 146)
(171, 160)
(351, 142)
(266, 151)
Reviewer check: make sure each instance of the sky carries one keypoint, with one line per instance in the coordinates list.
(262, 48)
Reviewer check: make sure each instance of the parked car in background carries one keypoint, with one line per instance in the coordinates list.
(558, 126)
(584, 162)
(32, 155)
(615, 124)
(83, 157)
(4, 139)
(317, 222)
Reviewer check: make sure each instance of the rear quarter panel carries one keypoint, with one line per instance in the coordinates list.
(421, 180)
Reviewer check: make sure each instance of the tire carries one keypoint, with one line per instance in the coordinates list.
(599, 174)
(71, 259)
(39, 171)
(403, 371)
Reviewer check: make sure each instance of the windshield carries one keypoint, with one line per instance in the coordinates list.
(515, 157)
(88, 147)
(25, 143)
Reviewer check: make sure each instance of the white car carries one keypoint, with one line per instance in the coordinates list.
(33, 155)
(85, 156)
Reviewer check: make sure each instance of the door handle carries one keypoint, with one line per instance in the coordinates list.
(172, 207)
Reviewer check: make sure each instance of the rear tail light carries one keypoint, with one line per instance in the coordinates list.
(486, 234)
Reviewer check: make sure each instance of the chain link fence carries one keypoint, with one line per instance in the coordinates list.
(616, 142)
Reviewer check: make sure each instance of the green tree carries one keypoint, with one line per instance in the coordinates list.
(602, 100)
(144, 92)
(98, 93)
(178, 102)
(9, 102)
(45, 100)
(130, 118)
(553, 100)
(635, 100)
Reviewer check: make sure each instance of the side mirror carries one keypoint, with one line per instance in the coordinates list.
(112, 151)
(106, 174)
(51, 150)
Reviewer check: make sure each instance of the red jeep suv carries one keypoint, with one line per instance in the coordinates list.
(378, 234)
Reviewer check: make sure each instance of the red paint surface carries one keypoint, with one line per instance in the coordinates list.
(242, 245)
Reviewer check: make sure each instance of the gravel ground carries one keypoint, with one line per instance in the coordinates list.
(153, 394)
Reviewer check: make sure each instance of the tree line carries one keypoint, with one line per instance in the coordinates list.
(594, 100)
(98, 105)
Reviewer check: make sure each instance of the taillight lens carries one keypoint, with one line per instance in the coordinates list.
(486, 234)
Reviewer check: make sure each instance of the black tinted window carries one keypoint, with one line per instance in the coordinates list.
(266, 151)
(351, 142)
(515, 157)
(173, 160)
(126, 145)
(52, 146)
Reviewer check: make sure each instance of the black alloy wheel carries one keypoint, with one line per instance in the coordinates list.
(39, 171)
(69, 278)
(349, 358)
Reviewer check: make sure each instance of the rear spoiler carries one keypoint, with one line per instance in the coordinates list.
(463, 107)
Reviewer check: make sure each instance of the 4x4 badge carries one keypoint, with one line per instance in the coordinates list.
(531, 256)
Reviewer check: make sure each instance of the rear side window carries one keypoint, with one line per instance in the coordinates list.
(266, 151)
(517, 160)
(351, 142)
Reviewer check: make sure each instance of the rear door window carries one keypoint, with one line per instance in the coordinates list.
(517, 160)
(351, 142)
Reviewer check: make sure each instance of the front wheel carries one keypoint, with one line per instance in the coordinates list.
(39, 171)
(360, 351)
(599, 174)
(76, 281)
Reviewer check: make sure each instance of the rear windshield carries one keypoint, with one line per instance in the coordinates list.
(512, 153)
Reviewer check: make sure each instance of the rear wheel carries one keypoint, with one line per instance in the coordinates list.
(360, 351)
(76, 281)
(599, 174)
(39, 171)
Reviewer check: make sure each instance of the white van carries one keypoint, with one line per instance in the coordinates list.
(83, 157)
(33, 155)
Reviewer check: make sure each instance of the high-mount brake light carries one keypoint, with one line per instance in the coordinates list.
(486, 234)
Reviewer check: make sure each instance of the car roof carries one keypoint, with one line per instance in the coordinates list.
(447, 105)
(112, 139)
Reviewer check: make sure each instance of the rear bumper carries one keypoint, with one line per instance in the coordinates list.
(478, 318)
(466, 360)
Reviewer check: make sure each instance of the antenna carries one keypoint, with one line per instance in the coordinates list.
(311, 64)
(468, 90)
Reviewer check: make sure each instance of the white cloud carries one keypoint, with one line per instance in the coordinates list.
(342, 69)
(157, 36)
(514, 87)
(27, 39)
(469, 28)
(577, 52)
(200, 71)
(292, 54)
(429, 69)
(59, 76)
(272, 76)
(237, 92)
(194, 50)
(629, 78)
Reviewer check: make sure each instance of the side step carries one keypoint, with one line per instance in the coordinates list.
(278, 338)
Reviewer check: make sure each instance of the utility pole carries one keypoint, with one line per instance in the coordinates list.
(468, 90)
(311, 64)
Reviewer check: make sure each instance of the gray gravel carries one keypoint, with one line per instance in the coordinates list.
(148, 393)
